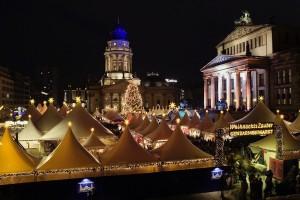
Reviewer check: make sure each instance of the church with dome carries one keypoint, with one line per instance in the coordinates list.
(109, 92)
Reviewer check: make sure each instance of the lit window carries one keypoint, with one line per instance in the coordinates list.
(261, 80)
(290, 75)
(284, 96)
(278, 78)
(278, 96)
(290, 96)
(283, 77)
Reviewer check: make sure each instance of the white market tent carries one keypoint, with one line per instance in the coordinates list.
(290, 143)
(127, 151)
(82, 122)
(179, 147)
(163, 132)
(185, 121)
(294, 127)
(151, 127)
(259, 114)
(63, 110)
(228, 117)
(135, 120)
(112, 115)
(29, 133)
(206, 124)
(13, 159)
(35, 114)
(143, 125)
(93, 142)
(195, 122)
(69, 154)
(48, 120)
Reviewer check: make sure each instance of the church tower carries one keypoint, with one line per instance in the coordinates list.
(118, 58)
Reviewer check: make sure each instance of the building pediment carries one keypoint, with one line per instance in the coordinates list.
(235, 60)
(221, 59)
(241, 31)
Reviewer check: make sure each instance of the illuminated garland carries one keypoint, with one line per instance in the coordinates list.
(279, 142)
(132, 99)
(219, 147)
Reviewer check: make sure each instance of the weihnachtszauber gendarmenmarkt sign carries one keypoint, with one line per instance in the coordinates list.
(265, 128)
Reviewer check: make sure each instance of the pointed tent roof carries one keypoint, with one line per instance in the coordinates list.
(207, 123)
(63, 110)
(127, 151)
(135, 121)
(151, 127)
(144, 124)
(82, 122)
(93, 141)
(13, 159)
(163, 132)
(39, 108)
(269, 142)
(113, 115)
(185, 121)
(35, 114)
(179, 147)
(30, 132)
(68, 154)
(173, 120)
(195, 122)
(44, 108)
(48, 120)
(97, 113)
(295, 125)
(220, 123)
(228, 117)
(260, 113)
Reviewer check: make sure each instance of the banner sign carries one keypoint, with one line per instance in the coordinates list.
(251, 129)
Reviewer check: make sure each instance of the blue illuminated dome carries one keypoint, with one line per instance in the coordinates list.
(119, 33)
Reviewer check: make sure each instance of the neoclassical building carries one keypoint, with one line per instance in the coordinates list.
(254, 61)
(109, 92)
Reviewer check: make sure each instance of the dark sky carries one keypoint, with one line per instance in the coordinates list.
(168, 37)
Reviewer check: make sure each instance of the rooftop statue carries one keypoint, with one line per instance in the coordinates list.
(244, 19)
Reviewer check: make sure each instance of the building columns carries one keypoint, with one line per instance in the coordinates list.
(248, 90)
(220, 87)
(228, 90)
(205, 93)
(237, 90)
(212, 93)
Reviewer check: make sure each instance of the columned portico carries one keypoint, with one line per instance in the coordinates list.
(220, 87)
(205, 93)
(228, 89)
(237, 89)
(212, 93)
(243, 71)
(248, 90)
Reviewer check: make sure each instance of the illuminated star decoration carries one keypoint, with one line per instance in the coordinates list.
(32, 101)
(77, 99)
(172, 105)
(261, 98)
(51, 100)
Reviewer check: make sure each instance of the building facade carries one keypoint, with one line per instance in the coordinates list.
(15, 89)
(249, 60)
(109, 92)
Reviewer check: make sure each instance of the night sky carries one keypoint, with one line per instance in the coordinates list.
(175, 39)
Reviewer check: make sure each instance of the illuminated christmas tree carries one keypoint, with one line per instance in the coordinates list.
(132, 100)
